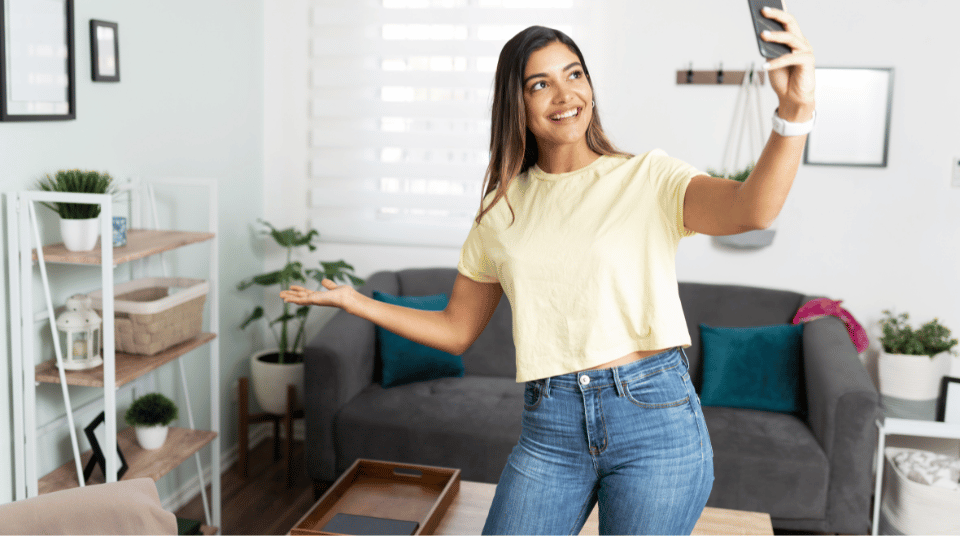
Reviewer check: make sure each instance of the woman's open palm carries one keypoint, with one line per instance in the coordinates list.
(335, 295)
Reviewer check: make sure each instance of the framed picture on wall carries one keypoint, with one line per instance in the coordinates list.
(104, 51)
(37, 60)
(853, 117)
(96, 435)
(948, 407)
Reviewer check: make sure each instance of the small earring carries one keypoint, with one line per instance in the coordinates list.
(594, 104)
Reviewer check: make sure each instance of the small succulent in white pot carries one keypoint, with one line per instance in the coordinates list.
(151, 415)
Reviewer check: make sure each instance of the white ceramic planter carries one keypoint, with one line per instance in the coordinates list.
(151, 437)
(270, 381)
(80, 234)
(907, 376)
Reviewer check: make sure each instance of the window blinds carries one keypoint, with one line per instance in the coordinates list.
(400, 97)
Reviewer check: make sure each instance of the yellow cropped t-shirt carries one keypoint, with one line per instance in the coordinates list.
(589, 265)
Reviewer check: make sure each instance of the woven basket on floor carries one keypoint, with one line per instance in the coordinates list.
(154, 314)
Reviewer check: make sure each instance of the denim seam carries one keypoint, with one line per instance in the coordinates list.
(583, 511)
(603, 424)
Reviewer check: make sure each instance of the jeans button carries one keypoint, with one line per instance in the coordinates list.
(584, 379)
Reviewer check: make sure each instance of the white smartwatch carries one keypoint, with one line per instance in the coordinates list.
(792, 129)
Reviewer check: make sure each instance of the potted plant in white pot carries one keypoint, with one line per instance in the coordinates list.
(150, 415)
(272, 370)
(79, 227)
(911, 365)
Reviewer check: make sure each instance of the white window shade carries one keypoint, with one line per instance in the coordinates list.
(400, 112)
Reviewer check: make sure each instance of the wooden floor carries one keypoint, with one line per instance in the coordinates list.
(262, 504)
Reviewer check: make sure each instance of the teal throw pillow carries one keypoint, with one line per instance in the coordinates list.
(753, 368)
(406, 361)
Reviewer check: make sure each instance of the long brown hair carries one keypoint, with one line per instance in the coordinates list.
(513, 148)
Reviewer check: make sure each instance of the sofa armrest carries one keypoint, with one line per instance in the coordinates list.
(338, 365)
(843, 405)
(127, 507)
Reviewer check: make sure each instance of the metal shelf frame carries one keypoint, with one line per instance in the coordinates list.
(23, 235)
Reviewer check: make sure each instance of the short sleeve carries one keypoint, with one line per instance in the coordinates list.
(673, 176)
(474, 261)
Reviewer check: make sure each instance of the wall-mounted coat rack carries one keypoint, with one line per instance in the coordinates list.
(716, 76)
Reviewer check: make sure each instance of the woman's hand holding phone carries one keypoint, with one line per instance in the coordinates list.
(791, 75)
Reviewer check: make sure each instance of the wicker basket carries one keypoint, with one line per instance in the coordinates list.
(912, 508)
(154, 314)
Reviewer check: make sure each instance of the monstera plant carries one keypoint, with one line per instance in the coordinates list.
(272, 370)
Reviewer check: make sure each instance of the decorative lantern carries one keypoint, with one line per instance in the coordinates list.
(81, 334)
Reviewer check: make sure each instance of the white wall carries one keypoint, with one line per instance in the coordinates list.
(876, 238)
(190, 103)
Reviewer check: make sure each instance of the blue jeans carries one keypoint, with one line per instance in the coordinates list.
(630, 438)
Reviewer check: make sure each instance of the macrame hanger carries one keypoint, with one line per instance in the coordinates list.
(743, 125)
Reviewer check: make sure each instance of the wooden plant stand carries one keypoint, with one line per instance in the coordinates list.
(246, 419)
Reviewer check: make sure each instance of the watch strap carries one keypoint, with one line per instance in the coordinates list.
(792, 129)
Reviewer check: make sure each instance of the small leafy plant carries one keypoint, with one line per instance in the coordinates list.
(899, 338)
(739, 176)
(294, 274)
(151, 410)
(76, 181)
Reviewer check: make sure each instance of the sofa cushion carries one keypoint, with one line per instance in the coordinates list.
(127, 507)
(766, 462)
(493, 353)
(404, 361)
(731, 305)
(470, 423)
(753, 368)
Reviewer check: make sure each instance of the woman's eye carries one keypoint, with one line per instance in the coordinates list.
(538, 85)
(576, 74)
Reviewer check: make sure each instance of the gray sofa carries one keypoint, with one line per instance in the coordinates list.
(809, 474)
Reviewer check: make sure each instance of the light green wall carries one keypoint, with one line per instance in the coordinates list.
(190, 103)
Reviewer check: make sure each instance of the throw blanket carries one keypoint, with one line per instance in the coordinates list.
(823, 307)
(929, 469)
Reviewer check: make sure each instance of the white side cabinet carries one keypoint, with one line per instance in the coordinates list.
(29, 260)
(902, 426)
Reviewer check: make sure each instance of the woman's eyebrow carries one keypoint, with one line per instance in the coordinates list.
(535, 75)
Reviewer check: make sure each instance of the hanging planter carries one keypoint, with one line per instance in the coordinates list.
(749, 125)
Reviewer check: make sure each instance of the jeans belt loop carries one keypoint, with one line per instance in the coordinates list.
(616, 380)
(686, 360)
(545, 385)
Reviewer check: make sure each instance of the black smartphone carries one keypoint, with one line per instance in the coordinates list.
(761, 23)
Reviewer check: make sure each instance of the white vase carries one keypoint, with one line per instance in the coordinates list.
(80, 234)
(151, 437)
(910, 384)
(270, 381)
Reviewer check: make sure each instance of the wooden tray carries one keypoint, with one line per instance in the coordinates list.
(382, 489)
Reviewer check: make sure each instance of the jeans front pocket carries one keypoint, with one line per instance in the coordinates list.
(532, 395)
(659, 389)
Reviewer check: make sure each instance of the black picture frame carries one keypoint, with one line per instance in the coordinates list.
(98, 457)
(948, 403)
(854, 111)
(104, 51)
(30, 86)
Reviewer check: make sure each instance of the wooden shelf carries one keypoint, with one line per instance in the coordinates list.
(129, 366)
(181, 443)
(140, 243)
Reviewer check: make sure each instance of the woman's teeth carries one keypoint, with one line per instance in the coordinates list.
(568, 114)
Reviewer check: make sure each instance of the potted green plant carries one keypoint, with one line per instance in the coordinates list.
(150, 415)
(78, 222)
(912, 364)
(749, 239)
(271, 370)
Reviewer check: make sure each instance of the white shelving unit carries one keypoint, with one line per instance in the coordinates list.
(27, 256)
(902, 426)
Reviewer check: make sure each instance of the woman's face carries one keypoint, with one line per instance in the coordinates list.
(557, 96)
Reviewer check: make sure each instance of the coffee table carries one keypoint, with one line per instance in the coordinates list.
(468, 512)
